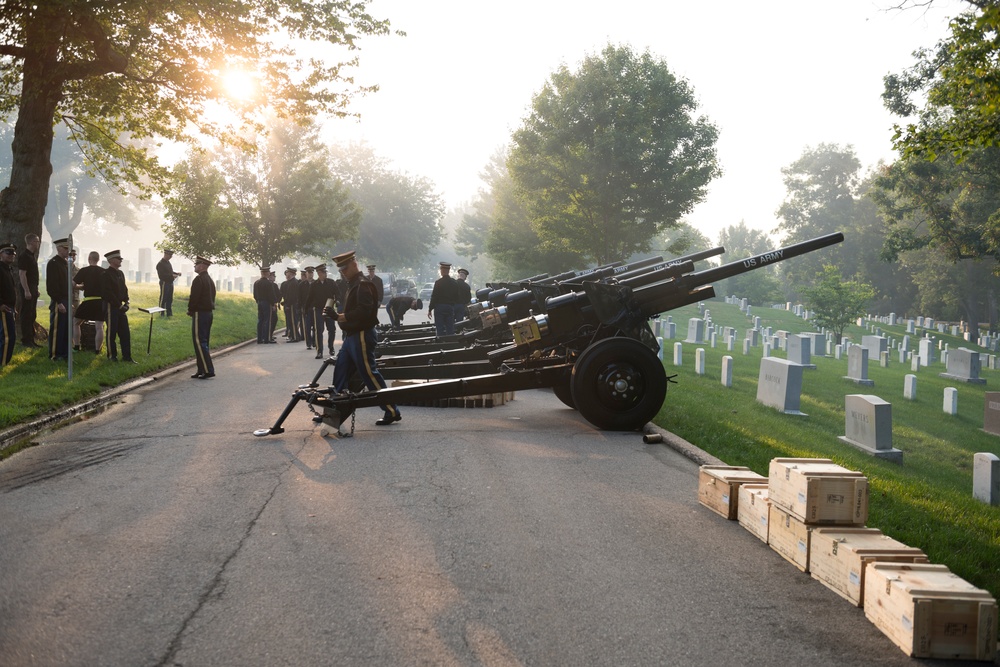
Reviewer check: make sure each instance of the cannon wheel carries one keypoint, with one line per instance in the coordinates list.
(618, 384)
(564, 392)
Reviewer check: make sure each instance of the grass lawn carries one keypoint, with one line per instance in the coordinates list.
(33, 385)
(926, 502)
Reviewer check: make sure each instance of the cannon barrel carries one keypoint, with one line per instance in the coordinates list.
(682, 290)
(650, 271)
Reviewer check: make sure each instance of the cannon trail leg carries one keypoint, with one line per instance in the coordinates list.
(276, 429)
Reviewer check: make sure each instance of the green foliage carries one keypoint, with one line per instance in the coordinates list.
(119, 74)
(400, 214)
(958, 85)
(760, 287)
(610, 155)
(260, 206)
(926, 502)
(836, 302)
(822, 197)
(951, 208)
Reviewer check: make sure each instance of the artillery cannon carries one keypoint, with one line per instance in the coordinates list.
(593, 347)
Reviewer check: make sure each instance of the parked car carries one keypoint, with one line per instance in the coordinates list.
(425, 291)
(404, 287)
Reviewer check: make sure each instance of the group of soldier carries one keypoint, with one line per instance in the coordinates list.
(104, 300)
(303, 300)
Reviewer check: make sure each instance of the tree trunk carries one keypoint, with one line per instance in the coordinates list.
(22, 203)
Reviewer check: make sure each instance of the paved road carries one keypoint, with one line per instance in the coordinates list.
(160, 532)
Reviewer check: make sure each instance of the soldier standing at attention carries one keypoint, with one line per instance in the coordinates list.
(290, 301)
(57, 287)
(377, 282)
(165, 272)
(465, 291)
(92, 307)
(305, 312)
(8, 302)
(262, 295)
(320, 290)
(200, 307)
(358, 320)
(276, 296)
(114, 291)
(443, 296)
(27, 269)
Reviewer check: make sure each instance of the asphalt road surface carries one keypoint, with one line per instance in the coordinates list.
(161, 532)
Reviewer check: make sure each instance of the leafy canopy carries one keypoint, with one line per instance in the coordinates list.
(836, 302)
(952, 91)
(131, 70)
(610, 155)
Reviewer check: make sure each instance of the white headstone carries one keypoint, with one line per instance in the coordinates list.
(876, 345)
(671, 330)
(746, 346)
(883, 359)
(678, 354)
(727, 371)
(986, 478)
(868, 426)
(951, 400)
(696, 331)
(963, 364)
(857, 365)
(910, 387)
(926, 351)
(659, 353)
(699, 361)
(799, 349)
(779, 385)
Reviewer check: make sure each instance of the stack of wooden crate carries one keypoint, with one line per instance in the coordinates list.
(813, 512)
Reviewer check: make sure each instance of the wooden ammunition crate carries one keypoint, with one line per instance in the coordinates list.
(789, 536)
(719, 487)
(753, 509)
(931, 613)
(838, 557)
(818, 491)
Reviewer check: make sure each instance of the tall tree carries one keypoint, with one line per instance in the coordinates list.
(951, 92)
(760, 286)
(822, 194)
(837, 302)
(113, 72)
(950, 206)
(400, 214)
(612, 154)
(285, 199)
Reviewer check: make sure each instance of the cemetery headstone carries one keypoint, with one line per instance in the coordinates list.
(799, 350)
(876, 345)
(964, 365)
(699, 361)
(910, 387)
(727, 371)
(696, 331)
(991, 412)
(779, 385)
(950, 401)
(857, 366)
(678, 354)
(986, 478)
(868, 426)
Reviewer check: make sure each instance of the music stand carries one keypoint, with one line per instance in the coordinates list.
(152, 315)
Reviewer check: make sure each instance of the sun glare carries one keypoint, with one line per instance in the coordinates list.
(239, 85)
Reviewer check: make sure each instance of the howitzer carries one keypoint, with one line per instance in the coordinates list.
(592, 347)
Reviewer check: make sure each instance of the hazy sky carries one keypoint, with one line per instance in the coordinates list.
(774, 75)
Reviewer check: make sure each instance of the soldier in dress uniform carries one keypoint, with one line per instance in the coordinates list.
(8, 302)
(165, 272)
(57, 287)
(92, 307)
(305, 312)
(276, 295)
(321, 290)
(200, 306)
(27, 265)
(465, 291)
(358, 320)
(264, 296)
(444, 296)
(114, 291)
(397, 307)
(290, 302)
(375, 280)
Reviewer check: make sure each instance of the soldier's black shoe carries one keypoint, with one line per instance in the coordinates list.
(197, 376)
(389, 418)
(207, 375)
(319, 356)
